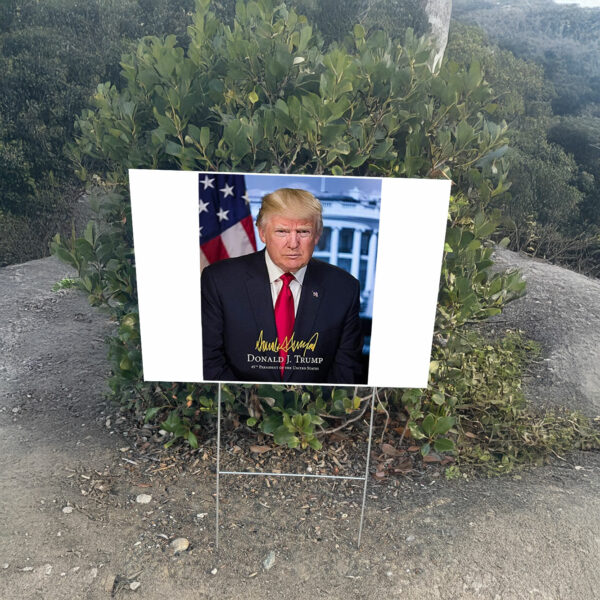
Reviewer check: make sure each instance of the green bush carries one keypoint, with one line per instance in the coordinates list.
(375, 109)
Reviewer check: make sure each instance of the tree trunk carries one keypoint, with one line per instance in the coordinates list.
(438, 12)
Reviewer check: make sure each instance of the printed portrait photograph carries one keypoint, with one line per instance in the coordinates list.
(288, 271)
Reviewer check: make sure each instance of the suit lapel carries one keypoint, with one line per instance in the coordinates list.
(260, 299)
(310, 300)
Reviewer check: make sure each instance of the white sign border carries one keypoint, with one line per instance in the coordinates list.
(412, 226)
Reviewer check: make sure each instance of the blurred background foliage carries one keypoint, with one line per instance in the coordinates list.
(52, 56)
(542, 60)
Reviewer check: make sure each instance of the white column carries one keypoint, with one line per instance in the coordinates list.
(370, 283)
(355, 269)
(333, 245)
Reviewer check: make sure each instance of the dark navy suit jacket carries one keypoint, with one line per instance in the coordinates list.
(237, 305)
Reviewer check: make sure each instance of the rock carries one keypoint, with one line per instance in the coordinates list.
(213, 571)
(134, 585)
(5, 566)
(143, 498)
(27, 569)
(410, 538)
(47, 569)
(93, 573)
(68, 510)
(180, 544)
(109, 583)
(269, 560)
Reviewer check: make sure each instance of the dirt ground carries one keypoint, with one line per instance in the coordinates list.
(71, 471)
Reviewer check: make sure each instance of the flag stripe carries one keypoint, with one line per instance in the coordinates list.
(215, 250)
(248, 224)
(236, 241)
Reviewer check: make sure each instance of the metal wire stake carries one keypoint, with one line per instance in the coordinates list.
(218, 463)
(362, 511)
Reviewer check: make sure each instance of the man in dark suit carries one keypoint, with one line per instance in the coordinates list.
(279, 314)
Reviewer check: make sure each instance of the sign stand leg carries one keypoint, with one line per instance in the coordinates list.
(218, 465)
(362, 511)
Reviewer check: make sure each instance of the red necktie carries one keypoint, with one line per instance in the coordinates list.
(284, 317)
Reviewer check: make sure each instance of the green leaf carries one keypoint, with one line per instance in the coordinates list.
(428, 424)
(192, 439)
(251, 422)
(173, 148)
(152, 412)
(443, 424)
(315, 444)
(271, 423)
(438, 399)
(204, 136)
(359, 31)
(443, 445)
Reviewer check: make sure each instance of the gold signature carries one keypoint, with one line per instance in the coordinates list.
(290, 345)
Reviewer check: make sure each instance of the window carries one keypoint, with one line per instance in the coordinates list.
(346, 240)
(364, 243)
(345, 263)
(324, 244)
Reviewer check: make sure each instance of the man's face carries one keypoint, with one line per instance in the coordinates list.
(290, 242)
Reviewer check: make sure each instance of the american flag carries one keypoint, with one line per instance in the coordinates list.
(226, 228)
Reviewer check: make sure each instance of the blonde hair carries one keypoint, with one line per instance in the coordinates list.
(291, 203)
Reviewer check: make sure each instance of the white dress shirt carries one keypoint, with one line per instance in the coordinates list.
(276, 284)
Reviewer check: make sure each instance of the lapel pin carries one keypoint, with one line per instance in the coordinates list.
(315, 294)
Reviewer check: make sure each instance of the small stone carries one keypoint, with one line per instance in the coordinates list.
(16, 409)
(389, 573)
(109, 583)
(410, 538)
(47, 569)
(27, 569)
(107, 423)
(180, 545)
(162, 432)
(201, 515)
(134, 585)
(214, 571)
(143, 498)
(68, 510)
(269, 560)
(124, 449)
(93, 573)
(5, 566)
